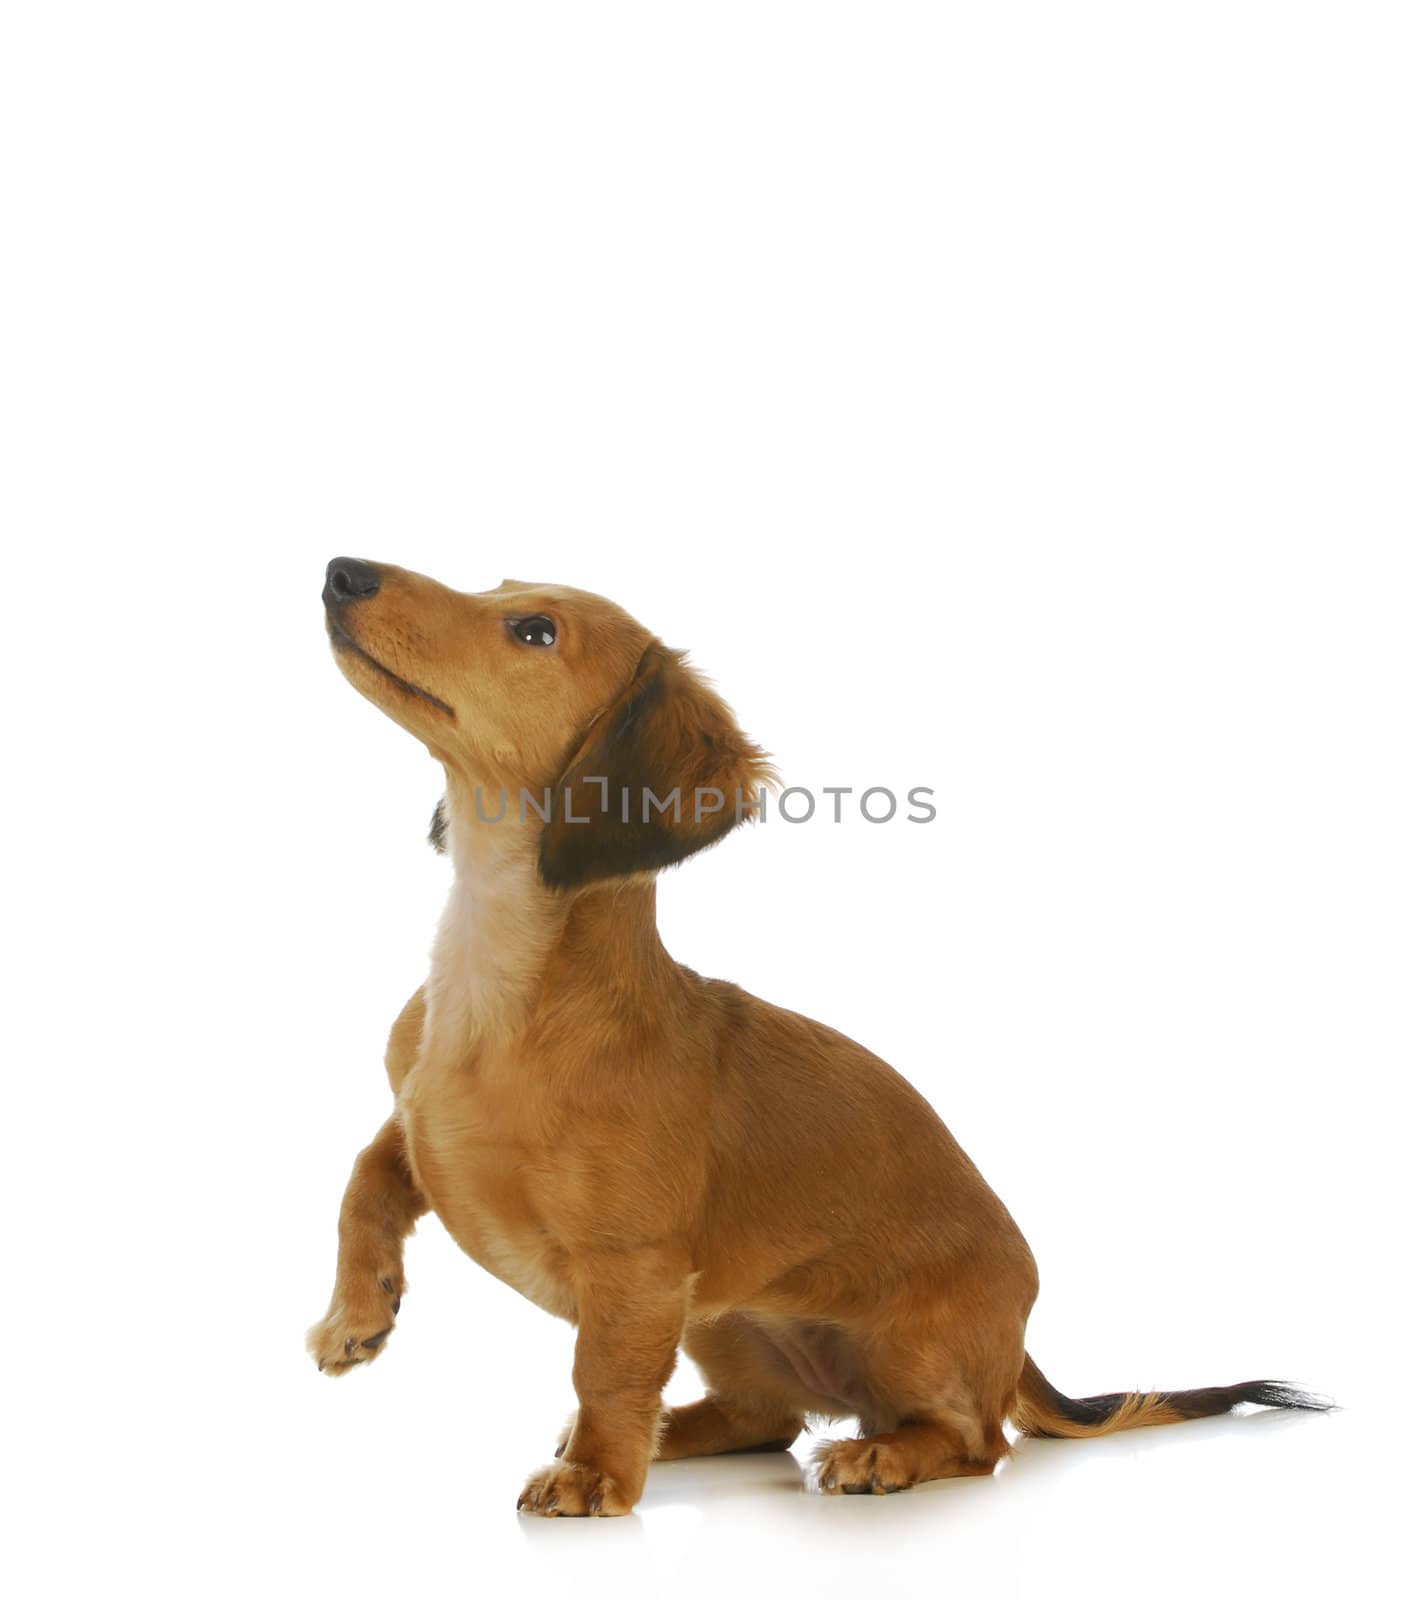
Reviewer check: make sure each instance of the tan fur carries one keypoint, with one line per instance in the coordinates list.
(1037, 1411)
(658, 1157)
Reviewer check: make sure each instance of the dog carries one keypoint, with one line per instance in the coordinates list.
(658, 1157)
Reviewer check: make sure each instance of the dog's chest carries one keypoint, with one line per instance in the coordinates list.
(480, 1154)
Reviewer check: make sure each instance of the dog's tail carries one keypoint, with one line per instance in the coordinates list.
(1043, 1412)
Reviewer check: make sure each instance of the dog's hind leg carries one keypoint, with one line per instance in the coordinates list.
(379, 1209)
(713, 1427)
(947, 1397)
(744, 1408)
(915, 1452)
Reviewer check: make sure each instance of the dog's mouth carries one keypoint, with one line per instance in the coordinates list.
(342, 640)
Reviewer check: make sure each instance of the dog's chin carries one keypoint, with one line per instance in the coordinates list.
(377, 682)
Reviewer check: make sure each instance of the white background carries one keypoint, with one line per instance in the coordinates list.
(999, 398)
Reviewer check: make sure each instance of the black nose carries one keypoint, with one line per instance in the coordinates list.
(349, 579)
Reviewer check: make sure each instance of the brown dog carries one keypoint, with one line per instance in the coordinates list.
(634, 1147)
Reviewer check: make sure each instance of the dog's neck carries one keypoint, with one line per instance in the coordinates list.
(505, 940)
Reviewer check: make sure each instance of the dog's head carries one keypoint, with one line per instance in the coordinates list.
(603, 739)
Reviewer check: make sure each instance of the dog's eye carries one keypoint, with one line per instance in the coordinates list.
(535, 630)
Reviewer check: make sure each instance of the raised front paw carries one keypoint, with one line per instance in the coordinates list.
(570, 1489)
(356, 1327)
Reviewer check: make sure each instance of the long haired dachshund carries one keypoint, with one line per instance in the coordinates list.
(658, 1157)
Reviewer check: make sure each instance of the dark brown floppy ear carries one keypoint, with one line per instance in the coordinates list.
(663, 773)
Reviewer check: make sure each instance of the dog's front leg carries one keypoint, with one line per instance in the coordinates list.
(630, 1308)
(380, 1207)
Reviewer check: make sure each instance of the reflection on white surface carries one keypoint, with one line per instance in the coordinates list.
(1102, 1516)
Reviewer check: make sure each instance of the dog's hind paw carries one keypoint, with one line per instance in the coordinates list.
(858, 1466)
